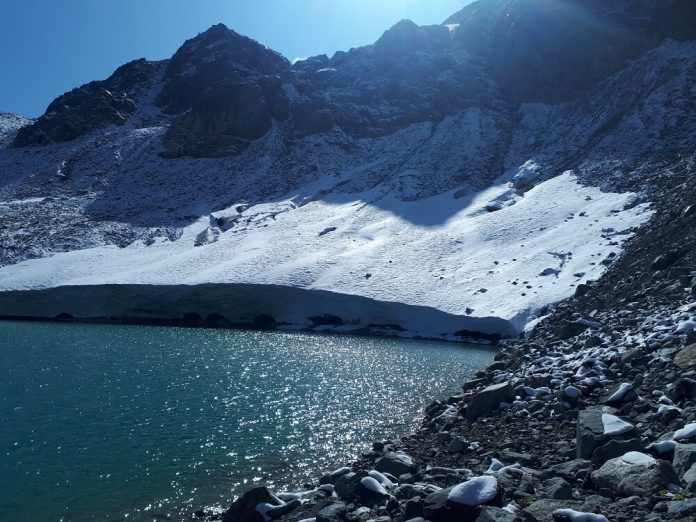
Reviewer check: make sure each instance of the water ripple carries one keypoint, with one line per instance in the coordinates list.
(114, 422)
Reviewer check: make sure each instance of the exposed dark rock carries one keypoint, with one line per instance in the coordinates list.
(489, 399)
(244, 508)
(90, 106)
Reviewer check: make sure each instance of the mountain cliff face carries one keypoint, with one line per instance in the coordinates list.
(311, 174)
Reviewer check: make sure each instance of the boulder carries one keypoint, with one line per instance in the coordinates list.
(684, 458)
(370, 492)
(571, 471)
(463, 501)
(570, 515)
(635, 474)
(619, 395)
(542, 510)
(489, 399)
(595, 427)
(682, 509)
(395, 463)
(345, 485)
(613, 449)
(555, 488)
(335, 512)
(244, 508)
(686, 356)
(435, 506)
(689, 479)
(495, 514)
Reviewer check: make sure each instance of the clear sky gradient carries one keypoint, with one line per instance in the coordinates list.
(47, 47)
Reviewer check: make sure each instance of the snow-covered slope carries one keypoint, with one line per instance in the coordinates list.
(394, 176)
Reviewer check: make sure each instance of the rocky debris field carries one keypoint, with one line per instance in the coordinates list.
(590, 417)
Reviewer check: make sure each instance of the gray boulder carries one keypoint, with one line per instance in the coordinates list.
(542, 510)
(689, 479)
(592, 430)
(686, 356)
(335, 512)
(683, 509)
(635, 474)
(570, 471)
(684, 458)
(489, 399)
(555, 488)
(395, 463)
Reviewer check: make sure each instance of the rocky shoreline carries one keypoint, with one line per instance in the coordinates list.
(590, 417)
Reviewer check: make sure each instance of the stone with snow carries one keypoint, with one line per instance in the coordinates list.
(370, 492)
(687, 433)
(395, 463)
(474, 492)
(595, 427)
(570, 515)
(635, 473)
(613, 425)
(620, 394)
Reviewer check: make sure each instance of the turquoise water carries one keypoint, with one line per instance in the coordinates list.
(104, 422)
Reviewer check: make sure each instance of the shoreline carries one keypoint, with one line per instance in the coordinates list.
(590, 417)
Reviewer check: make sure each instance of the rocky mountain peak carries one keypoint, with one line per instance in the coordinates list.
(406, 36)
(553, 50)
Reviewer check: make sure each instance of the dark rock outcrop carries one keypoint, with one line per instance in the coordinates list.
(90, 106)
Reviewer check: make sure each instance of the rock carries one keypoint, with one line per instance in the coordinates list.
(686, 434)
(595, 427)
(336, 512)
(244, 508)
(589, 432)
(435, 506)
(689, 479)
(682, 508)
(555, 488)
(619, 395)
(332, 477)
(275, 512)
(495, 514)
(90, 106)
(570, 471)
(542, 510)
(476, 491)
(413, 508)
(457, 445)
(684, 457)
(370, 492)
(570, 515)
(489, 399)
(684, 388)
(395, 463)
(635, 474)
(613, 449)
(686, 357)
(664, 261)
(345, 484)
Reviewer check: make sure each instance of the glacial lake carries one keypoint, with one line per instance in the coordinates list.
(108, 423)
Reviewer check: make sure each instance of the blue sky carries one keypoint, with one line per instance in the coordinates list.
(48, 47)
